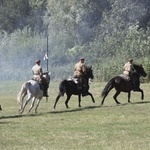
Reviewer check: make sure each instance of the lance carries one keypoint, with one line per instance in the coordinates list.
(47, 54)
(46, 57)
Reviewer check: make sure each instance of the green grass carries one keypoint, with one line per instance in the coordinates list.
(91, 127)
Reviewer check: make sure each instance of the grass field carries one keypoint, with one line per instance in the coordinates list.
(91, 127)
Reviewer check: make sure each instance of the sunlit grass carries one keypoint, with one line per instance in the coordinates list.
(110, 127)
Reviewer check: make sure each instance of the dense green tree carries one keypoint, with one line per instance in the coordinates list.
(18, 14)
(104, 32)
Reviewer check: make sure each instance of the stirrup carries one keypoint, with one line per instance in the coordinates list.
(84, 94)
(45, 95)
(79, 87)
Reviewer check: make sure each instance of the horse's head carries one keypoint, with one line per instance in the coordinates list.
(89, 72)
(47, 76)
(140, 70)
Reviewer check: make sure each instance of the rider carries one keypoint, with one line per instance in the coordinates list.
(79, 71)
(38, 76)
(129, 70)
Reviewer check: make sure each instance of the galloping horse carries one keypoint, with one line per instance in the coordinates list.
(33, 90)
(70, 87)
(123, 85)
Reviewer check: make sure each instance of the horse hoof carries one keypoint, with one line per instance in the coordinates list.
(20, 112)
(35, 112)
(118, 103)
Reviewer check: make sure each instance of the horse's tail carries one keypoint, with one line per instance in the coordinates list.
(23, 91)
(62, 87)
(108, 87)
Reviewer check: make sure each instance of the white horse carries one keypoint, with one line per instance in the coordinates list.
(33, 90)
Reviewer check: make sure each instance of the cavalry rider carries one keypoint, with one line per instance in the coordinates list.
(79, 72)
(38, 76)
(129, 70)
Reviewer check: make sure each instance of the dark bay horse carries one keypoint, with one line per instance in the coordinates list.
(71, 88)
(123, 85)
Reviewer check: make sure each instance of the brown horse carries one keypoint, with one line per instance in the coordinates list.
(123, 85)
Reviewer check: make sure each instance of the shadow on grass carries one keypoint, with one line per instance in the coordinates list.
(74, 110)
(18, 116)
(69, 110)
(134, 103)
(142, 102)
(51, 112)
(124, 104)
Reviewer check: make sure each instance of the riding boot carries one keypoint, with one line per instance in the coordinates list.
(41, 86)
(45, 93)
(79, 83)
(135, 86)
(84, 91)
(79, 86)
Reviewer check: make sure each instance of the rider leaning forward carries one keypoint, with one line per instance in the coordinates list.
(79, 72)
(38, 76)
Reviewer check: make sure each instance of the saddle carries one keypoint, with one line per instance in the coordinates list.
(39, 82)
(43, 84)
(75, 80)
(127, 78)
(36, 79)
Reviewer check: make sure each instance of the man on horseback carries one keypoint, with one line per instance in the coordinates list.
(38, 76)
(129, 72)
(79, 72)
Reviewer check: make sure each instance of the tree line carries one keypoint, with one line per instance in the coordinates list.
(107, 33)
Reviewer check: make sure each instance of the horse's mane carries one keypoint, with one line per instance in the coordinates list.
(88, 67)
(139, 65)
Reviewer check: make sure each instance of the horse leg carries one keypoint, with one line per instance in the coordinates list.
(22, 98)
(79, 100)
(38, 102)
(115, 97)
(66, 102)
(26, 102)
(129, 95)
(57, 98)
(103, 99)
(32, 104)
(142, 93)
(88, 93)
